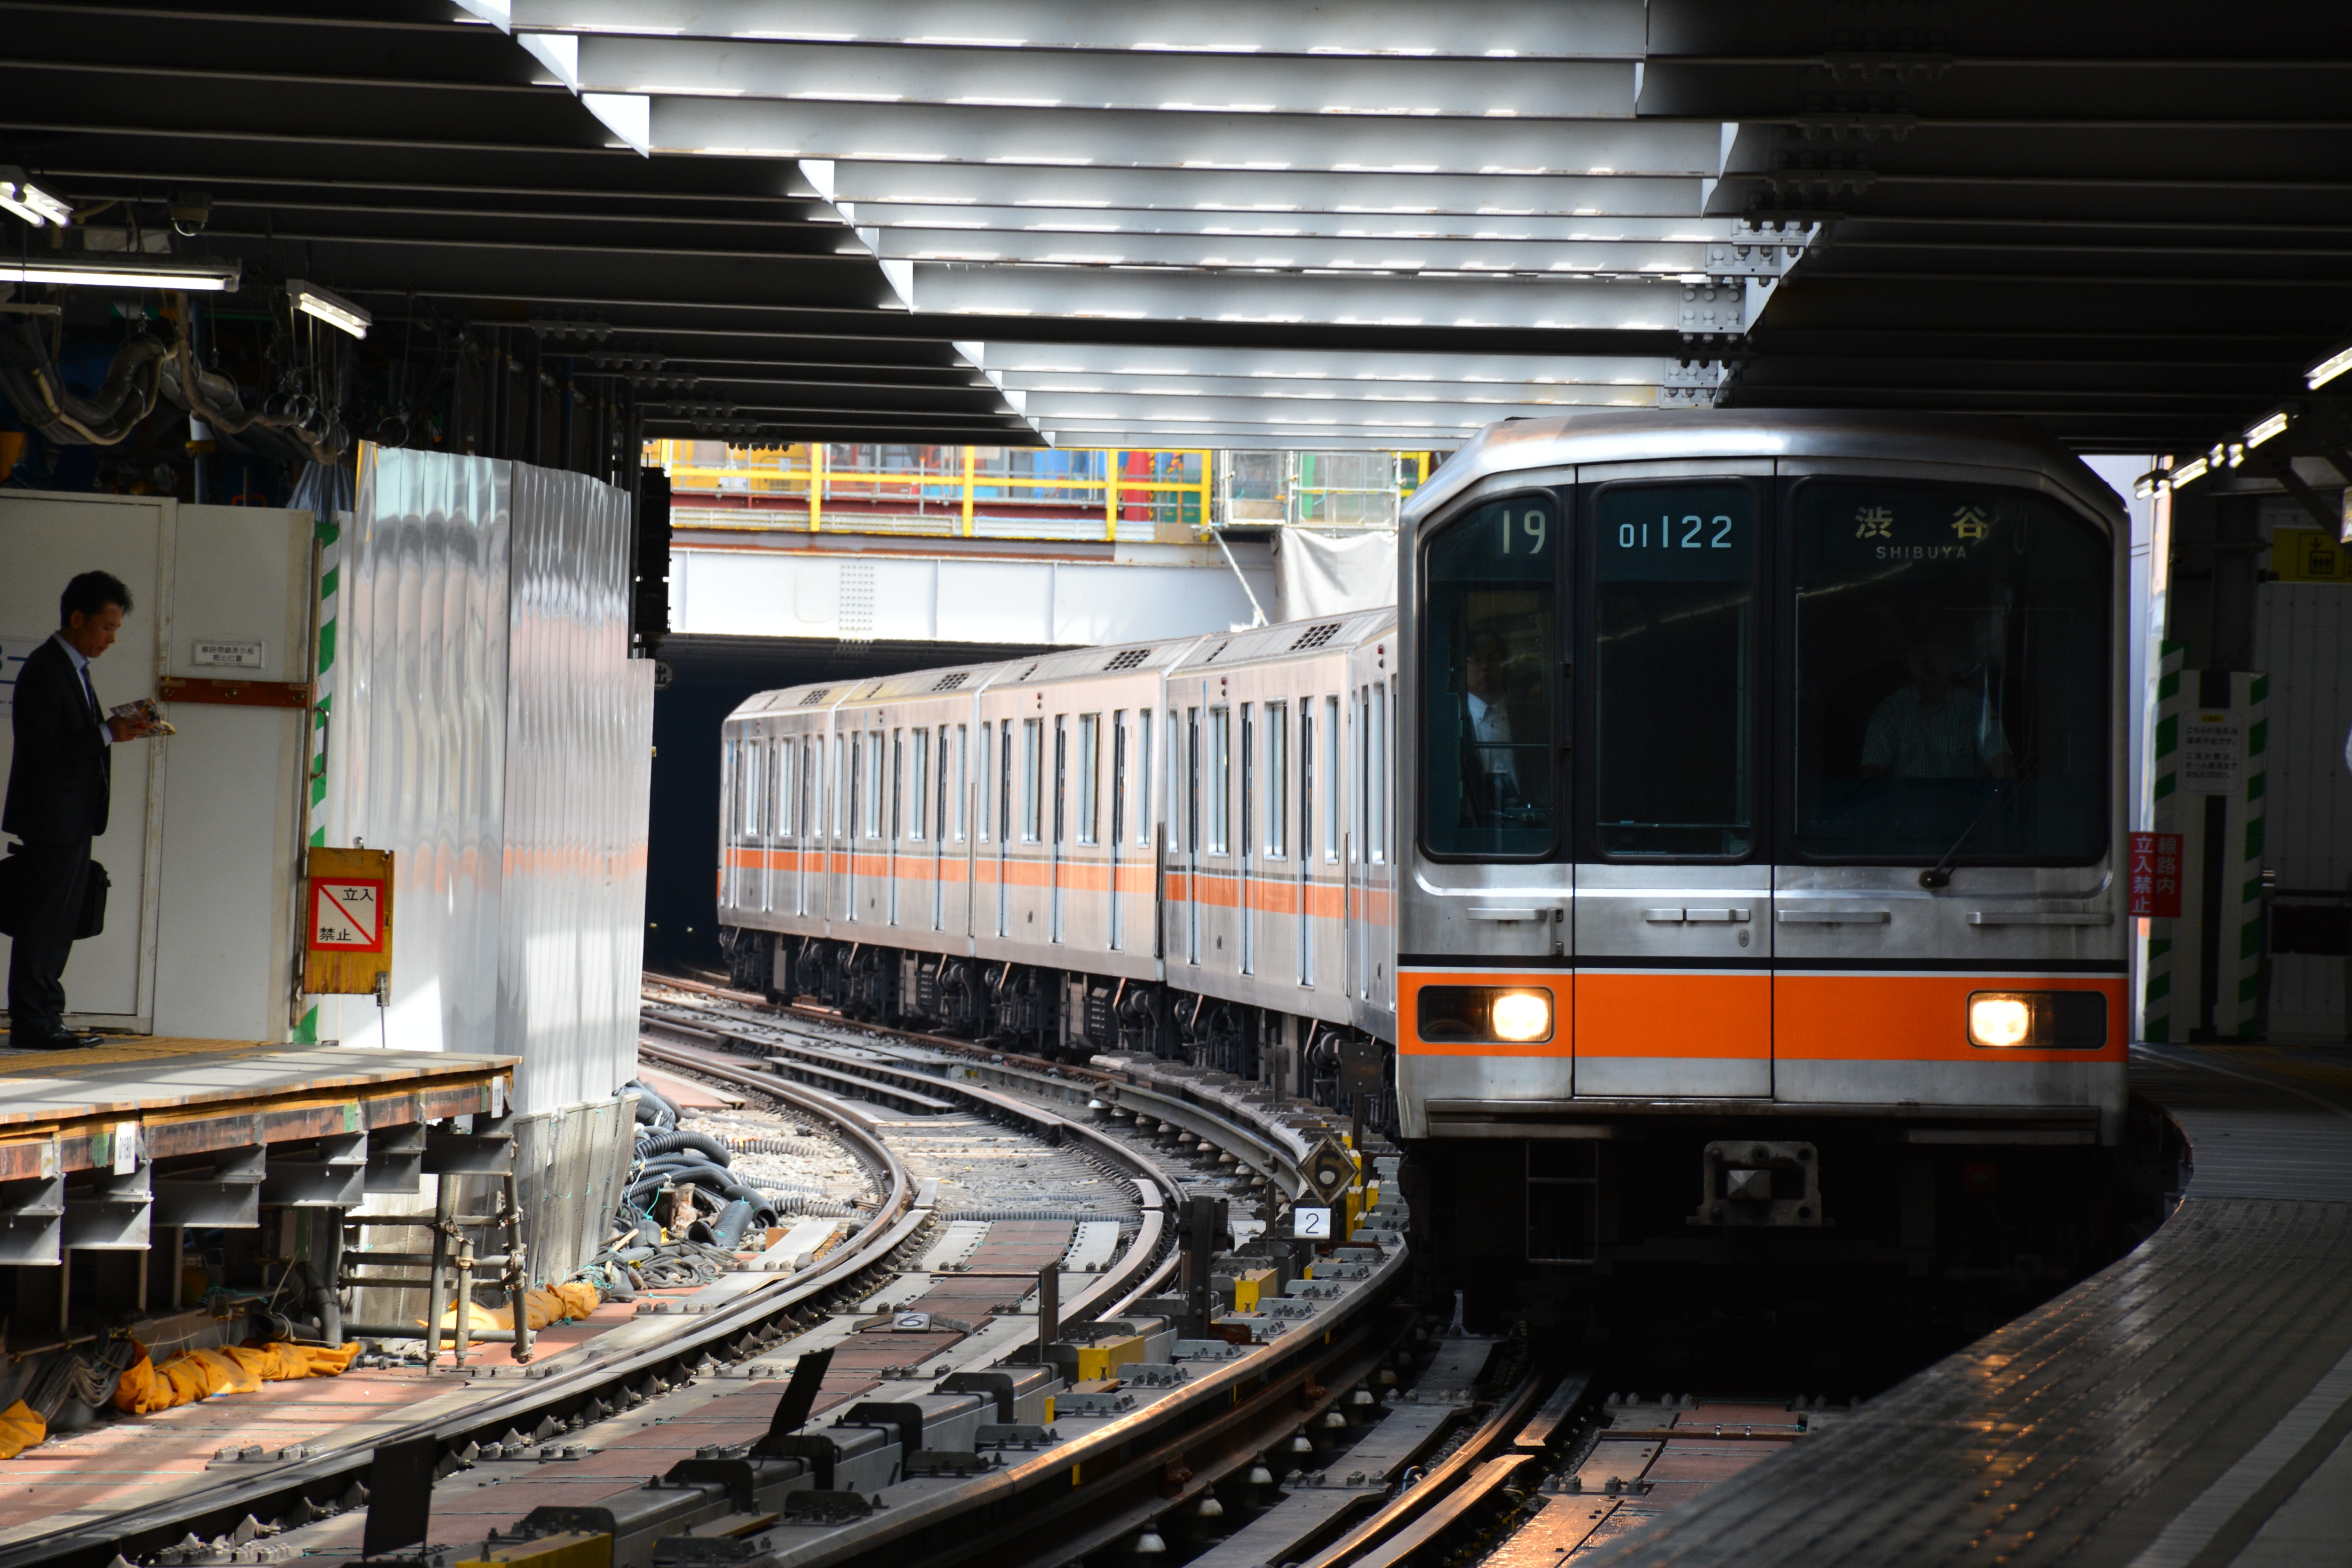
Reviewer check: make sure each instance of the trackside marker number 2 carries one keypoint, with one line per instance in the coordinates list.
(1312, 1222)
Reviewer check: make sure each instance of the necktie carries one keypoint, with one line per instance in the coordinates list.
(91, 692)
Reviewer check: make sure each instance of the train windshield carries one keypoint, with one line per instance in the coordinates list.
(1951, 676)
(1492, 648)
(1674, 655)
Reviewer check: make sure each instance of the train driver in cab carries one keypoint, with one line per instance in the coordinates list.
(1493, 767)
(1932, 729)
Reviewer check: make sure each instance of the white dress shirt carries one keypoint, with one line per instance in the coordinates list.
(82, 669)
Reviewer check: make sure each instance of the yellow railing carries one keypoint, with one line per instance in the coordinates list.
(808, 473)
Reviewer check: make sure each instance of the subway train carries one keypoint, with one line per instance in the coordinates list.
(1716, 852)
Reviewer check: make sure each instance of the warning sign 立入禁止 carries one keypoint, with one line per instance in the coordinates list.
(345, 914)
(347, 946)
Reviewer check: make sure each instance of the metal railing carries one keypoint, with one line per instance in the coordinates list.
(1167, 495)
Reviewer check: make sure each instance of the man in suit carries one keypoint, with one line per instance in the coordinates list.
(59, 782)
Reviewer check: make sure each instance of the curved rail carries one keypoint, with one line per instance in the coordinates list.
(1131, 1278)
(602, 1374)
(1267, 1155)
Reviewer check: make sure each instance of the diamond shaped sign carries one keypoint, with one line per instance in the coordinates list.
(1329, 1170)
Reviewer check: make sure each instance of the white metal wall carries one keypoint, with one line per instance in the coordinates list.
(962, 598)
(579, 752)
(488, 726)
(200, 839)
(2303, 637)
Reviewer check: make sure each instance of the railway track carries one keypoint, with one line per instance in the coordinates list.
(1109, 1466)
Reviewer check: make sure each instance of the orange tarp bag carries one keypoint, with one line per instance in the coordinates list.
(20, 1428)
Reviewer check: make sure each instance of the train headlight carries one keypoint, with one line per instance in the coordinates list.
(1999, 1021)
(1469, 1014)
(1522, 1016)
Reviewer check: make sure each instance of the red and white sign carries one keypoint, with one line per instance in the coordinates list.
(347, 915)
(2155, 874)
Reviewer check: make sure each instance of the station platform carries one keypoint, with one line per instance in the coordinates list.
(62, 1110)
(2189, 1406)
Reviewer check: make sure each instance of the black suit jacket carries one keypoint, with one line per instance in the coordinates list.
(62, 776)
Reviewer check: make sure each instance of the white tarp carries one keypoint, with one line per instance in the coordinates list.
(1319, 574)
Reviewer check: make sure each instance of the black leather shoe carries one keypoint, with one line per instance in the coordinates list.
(18, 1042)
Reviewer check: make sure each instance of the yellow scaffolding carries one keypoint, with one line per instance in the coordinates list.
(953, 499)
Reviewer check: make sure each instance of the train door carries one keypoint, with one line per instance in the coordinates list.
(1672, 903)
(1244, 849)
(936, 794)
(1060, 825)
(1307, 802)
(1114, 846)
(804, 823)
(771, 808)
(955, 792)
(1193, 740)
(854, 794)
(1003, 788)
(840, 857)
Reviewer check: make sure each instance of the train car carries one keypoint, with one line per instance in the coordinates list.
(1762, 777)
(1175, 847)
(1722, 842)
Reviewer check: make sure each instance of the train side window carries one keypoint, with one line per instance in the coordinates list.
(1277, 778)
(952, 782)
(918, 782)
(1330, 780)
(1089, 780)
(1673, 654)
(986, 776)
(1004, 826)
(1062, 779)
(1032, 761)
(898, 820)
(1249, 773)
(1143, 778)
(875, 762)
(1306, 779)
(1379, 837)
(853, 754)
(1362, 750)
(1192, 780)
(840, 786)
(749, 793)
(1219, 780)
(1119, 777)
(782, 791)
(1490, 664)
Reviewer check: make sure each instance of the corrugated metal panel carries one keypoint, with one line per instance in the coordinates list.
(488, 726)
(417, 735)
(578, 748)
(2303, 633)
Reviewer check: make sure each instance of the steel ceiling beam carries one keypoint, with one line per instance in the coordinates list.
(1261, 191)
(1127, 80)
(1058, 291)
(1653, 258)
(922, 133)
(1587, 29)
(1229, 228)
(1017, 360)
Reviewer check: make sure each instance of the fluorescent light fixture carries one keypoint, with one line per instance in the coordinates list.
(332, 308)
(37, 206)
(2328, 369)
(2258, 434)
(2195, 469)
(197, 274)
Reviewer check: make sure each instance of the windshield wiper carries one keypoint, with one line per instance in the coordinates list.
(1940, 875)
